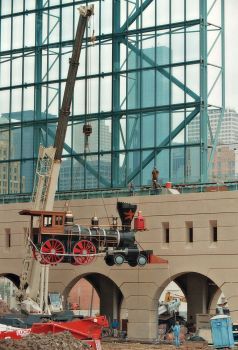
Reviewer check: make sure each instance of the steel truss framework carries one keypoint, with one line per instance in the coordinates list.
(146, 86)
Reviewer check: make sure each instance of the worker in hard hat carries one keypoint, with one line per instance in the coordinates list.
(155, 175)
(131, 188)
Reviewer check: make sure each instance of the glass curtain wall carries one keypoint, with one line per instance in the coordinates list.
(145, 84)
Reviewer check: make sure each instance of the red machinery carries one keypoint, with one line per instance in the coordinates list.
(88, 330)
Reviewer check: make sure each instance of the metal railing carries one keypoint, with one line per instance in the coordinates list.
(124, 192)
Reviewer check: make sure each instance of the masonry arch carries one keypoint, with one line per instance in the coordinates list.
(200, 291)
(214, 301)
(9, 283)
(15, 279)
(110, 295)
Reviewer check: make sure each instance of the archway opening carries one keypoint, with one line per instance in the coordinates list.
(172, 305)
(8, 288)
(96, 294)
(83, 299)
(191, 299)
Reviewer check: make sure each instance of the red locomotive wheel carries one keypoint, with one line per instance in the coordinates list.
(84, 248)
(50, 249)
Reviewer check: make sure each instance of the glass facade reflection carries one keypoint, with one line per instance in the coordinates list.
(154, 71)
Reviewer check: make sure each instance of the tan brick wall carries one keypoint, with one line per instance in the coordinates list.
(141, 287)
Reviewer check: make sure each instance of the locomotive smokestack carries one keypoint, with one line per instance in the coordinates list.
(126, 212)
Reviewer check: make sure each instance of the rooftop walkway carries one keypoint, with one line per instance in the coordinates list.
(124, 192)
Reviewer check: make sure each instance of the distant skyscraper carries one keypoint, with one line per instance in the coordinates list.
(151, 81)
(25, 145)
(225, 163)
(229, 127)
(11, 180)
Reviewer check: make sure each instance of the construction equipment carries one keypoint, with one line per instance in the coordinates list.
(170, 306)
(169, 296)
(33, 291)
(89, 330)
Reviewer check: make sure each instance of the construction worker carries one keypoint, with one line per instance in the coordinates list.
(155, 175)
(176, 332)
(131, 188)
(115, 327)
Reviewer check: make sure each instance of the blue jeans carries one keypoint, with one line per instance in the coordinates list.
(177, 341)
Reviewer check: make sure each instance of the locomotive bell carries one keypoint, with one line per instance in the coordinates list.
(69, 218)
(94, 222)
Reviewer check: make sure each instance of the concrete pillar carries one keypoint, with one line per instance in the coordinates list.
(197, 296)
(230, 290)
(115, 302)
(142, 319)
(233, 307)
(110, 298)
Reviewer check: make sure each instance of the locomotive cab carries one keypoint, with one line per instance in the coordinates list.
(46, 230)
(45, 222)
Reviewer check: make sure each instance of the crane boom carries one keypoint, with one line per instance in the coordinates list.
(85, 13)
(34, 275)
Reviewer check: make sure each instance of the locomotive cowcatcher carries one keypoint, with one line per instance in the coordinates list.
(55, 238)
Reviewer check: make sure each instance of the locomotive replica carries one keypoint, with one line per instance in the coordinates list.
(55, 238)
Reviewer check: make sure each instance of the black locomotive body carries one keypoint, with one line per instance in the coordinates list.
(56, 239)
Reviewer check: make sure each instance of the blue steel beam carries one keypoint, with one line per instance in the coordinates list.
(203, 91)
(214, 143)
(108, 74)
(38, 72)
(104, 115)
(115, 95)
(82, 161)
(135, 15)
(162, 70)
(164, 143)
(104, 37)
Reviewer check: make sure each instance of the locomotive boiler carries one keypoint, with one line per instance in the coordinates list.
(55, 238)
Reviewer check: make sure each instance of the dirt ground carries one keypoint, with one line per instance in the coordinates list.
(133, 346)
(65, 341)
(138, 346)
(60, 341)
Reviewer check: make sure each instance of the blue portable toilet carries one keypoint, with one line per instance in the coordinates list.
(222, 336)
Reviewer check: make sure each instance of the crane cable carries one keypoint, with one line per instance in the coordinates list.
(88, 80)
(91, 35)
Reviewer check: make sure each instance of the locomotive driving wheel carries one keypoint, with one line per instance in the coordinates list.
(84, 249)
(52, 250)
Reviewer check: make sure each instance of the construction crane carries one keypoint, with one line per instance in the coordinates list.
(33, 291)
